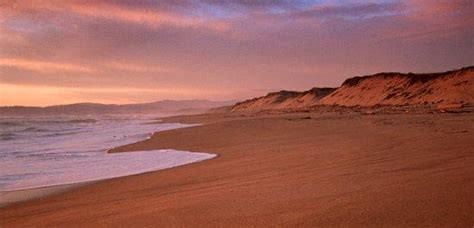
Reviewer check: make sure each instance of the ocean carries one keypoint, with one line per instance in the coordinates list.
(56, 150)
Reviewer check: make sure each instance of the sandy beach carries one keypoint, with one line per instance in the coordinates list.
(302, 169)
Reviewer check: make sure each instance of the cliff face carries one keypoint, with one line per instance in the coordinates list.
(452, 87)
(436, 89)
(284, 100)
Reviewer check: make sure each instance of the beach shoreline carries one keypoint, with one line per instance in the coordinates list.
(11, 197)
(289, 169)
(13, 193)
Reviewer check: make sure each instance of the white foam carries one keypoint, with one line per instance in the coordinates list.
(107, 166)
(78, 155)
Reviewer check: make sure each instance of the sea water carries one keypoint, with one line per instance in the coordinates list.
(55, 150)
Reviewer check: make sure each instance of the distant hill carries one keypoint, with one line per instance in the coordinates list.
(159, 107)
(392, 89)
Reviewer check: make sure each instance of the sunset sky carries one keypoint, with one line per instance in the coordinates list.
(57, 52)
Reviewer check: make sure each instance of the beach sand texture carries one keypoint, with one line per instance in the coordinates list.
(299, 169)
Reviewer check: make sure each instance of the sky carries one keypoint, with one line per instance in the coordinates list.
(106, 51)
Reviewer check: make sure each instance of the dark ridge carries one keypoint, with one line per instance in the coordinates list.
(414, 78)
(285, 94)
(321, 92)
(282, 96)
(247, 101)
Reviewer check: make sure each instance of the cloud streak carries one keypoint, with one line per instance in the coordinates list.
(114, 12)
(137, 68)
(355, 11)
(44, 67)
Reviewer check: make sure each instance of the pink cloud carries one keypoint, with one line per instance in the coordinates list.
(44, 67)
(114, 12)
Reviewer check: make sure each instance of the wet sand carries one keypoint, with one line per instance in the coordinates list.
(11, 197)
(294, 169)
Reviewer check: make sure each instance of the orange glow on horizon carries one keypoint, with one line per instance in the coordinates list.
(32, 95)
(44, 67)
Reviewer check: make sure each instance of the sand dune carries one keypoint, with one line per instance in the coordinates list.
(284, 100)
(452, 89)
